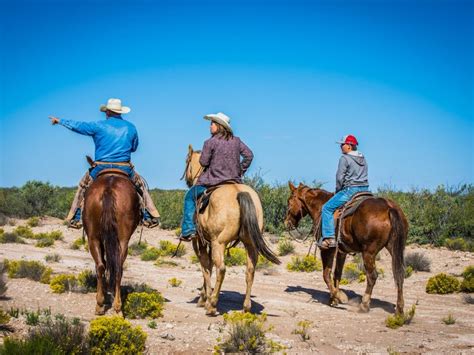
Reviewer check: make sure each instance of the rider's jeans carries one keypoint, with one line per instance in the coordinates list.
(333, 204)
(187, 225)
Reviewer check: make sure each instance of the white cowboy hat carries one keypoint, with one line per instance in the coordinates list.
(115, 105)
(220, 118)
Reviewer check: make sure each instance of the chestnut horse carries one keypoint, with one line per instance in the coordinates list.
(377, 223)
(234, 214)
(111, 215)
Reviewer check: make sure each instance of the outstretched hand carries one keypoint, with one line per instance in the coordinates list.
(54, 120)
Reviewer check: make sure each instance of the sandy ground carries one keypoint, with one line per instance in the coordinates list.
(286, 297)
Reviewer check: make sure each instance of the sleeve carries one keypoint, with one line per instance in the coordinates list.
(135, 142)
(247, 154)
(341, 170)
(206, 154)
(85, 128)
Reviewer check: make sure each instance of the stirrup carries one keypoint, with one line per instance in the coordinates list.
(327, 243)
(75, 224)
(187, 238)
(152, 223)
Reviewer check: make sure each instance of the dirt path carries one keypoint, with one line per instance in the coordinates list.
(286, 297)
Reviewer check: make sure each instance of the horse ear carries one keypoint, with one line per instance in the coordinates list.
(190, 149)
(292, 187)
(301, 184)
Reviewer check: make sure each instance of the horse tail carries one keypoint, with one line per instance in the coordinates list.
(109, 234)
(398, 236)
(249, 226)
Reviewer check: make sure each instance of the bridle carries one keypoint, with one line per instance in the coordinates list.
(190, 168)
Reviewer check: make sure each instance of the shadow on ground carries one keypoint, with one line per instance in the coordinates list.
(354, 298)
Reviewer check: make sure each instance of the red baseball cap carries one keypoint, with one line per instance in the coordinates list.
(349, 139)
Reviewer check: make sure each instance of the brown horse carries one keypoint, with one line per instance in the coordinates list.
(111, 214)
(234, 214)
(377, 223)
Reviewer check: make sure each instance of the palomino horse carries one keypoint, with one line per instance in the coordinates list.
(234, 214)
(111, 214)
(377, 223)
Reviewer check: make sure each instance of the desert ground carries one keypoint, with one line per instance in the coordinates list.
(286, 297)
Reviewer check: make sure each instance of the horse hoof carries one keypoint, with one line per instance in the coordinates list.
(201, 303)
(342, 297)
(211, 312)
(100, 310)
(364, 308)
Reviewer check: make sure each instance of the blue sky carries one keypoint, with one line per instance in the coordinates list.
(293, 76)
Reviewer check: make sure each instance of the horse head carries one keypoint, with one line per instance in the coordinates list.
(296, 207)
(193, 168)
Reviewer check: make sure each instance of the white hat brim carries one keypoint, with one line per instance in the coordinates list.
(217, 119)
(124, 109)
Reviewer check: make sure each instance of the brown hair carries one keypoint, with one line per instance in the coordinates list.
(223, 132)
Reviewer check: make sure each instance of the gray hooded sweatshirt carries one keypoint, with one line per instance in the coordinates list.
(352, 171)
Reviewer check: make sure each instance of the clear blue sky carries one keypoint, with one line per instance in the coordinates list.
(293, 76)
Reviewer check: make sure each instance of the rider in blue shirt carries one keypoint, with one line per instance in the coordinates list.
(115, 139)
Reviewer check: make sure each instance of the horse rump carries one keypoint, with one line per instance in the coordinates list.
(249, 226)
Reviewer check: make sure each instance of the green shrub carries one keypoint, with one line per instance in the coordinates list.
(302, 329)
(417, 261)
(352, 272)
(24, 232)
(467, 284)
(52, 258)
(246, 334)
(408, 271)
(285, 247)
(4, 317)
(235, 257)
(166, 263)
(307, 263)
(399, 320)
(32, 318)
(137, 249)
(143, 305)
(87, 281)
(150, 254)
(33, 222)
(442, 284)
(168, 249)
(449, 319)
(344, 281)
(54, 235)
(44, 242)
(33, 270)
(263, 263)
(78, 243)
(194, 259)
(3, 283)
(115, 335)
(11, 238)
(174, 282)
(457, 244)
(35, 346)
(62, 283)
(152, 324)
(170, 205)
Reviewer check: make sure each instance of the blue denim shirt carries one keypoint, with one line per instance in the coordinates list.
(115, 139)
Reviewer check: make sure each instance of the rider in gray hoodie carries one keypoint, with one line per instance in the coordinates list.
(351, 178)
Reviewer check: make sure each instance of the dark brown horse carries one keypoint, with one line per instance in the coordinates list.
(377, 223)
(111, 215)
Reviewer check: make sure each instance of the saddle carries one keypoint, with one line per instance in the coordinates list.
(346, 210)
(113, 171)
(203, 200)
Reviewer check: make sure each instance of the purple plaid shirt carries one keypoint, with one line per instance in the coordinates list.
(221, 160)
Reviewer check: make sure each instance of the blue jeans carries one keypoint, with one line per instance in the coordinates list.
(187, 225)
(95, 171)
(340, 198)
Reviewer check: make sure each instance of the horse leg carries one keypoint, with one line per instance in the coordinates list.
(252, 257)
(96, 252)
(371, 273)
(340, 260)
(218, 250)
(327, 257)
(399, 283)
(206, 269)
(118, 278)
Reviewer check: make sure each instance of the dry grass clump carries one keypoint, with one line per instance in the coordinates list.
(417, 261)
